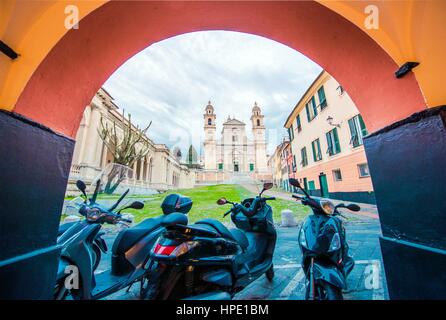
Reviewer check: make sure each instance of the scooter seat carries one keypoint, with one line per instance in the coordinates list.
(129, 237)
(233, 234)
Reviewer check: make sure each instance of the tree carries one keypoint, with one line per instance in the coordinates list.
(127, 147)
(192, 155)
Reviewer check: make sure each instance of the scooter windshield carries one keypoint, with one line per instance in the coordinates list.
(110, 185)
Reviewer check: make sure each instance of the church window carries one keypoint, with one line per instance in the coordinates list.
(209, 121)
(234, 138)
(251, 167)
(258, 122)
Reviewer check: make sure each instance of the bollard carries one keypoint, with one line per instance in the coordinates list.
(288, 218)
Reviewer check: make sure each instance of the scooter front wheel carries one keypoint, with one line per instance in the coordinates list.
(324, 291)
(270, 273)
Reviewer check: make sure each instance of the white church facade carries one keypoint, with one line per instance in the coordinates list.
(232, 153)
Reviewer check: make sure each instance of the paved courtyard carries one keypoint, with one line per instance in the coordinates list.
(362, 235)
(289, 282)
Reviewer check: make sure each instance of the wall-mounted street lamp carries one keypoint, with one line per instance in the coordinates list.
(330, 122)
(5, 49)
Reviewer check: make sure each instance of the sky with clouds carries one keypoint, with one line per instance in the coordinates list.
(170, 83)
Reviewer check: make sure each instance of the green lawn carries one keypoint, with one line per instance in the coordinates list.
(205, 206)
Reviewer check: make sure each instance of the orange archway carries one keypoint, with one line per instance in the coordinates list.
(83, 59)
(60, 70)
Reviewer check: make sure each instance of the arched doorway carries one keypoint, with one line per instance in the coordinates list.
(63, 84)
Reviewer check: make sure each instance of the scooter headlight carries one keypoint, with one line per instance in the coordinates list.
(302, 239)
(327, 206)
(335, 243)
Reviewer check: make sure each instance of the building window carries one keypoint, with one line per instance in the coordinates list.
(340, 90)
(291, 133)
(220, 166)
(337, 176)
(357, 130)
(234, 138)
(322, 99)
(333, 142)
(298, 123)
(303, 154)
(258, 122)
(294, 163)
(317, 154)
(209, 121)
(251, 167)
(311, 109)
(363, 170)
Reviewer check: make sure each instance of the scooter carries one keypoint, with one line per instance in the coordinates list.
(206, 260)
(130, 253)
(324, 247)
(98, 246)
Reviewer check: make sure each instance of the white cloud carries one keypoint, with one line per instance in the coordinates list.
(171, 81)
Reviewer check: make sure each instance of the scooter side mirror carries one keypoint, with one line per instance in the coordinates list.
(267, 186)
(222, 201)
(353, 207)
(82, 187)
(136, 205)
(294, 183)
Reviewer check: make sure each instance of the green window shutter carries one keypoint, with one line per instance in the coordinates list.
(329, 143)
(353, 132)
(314, 151)
(220, 166)
(251, 167)
(336, 141)
(313, 102)
(299, 127)
(303, 153)
(362, 124)
(322, 99)
(319, 153)
(308, 112)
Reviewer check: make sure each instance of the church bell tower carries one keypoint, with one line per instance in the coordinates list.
(258, 133)
(209, 138)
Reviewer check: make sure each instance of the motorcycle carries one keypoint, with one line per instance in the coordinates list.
(131, 249)
(324, 248)
(208, 261)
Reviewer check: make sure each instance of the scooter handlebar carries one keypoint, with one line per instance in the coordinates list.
(226, 213)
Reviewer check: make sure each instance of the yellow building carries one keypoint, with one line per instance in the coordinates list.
(326, 133)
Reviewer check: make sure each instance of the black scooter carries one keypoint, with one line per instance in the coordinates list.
(130, 253)
(207, 260)
(324, 247)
